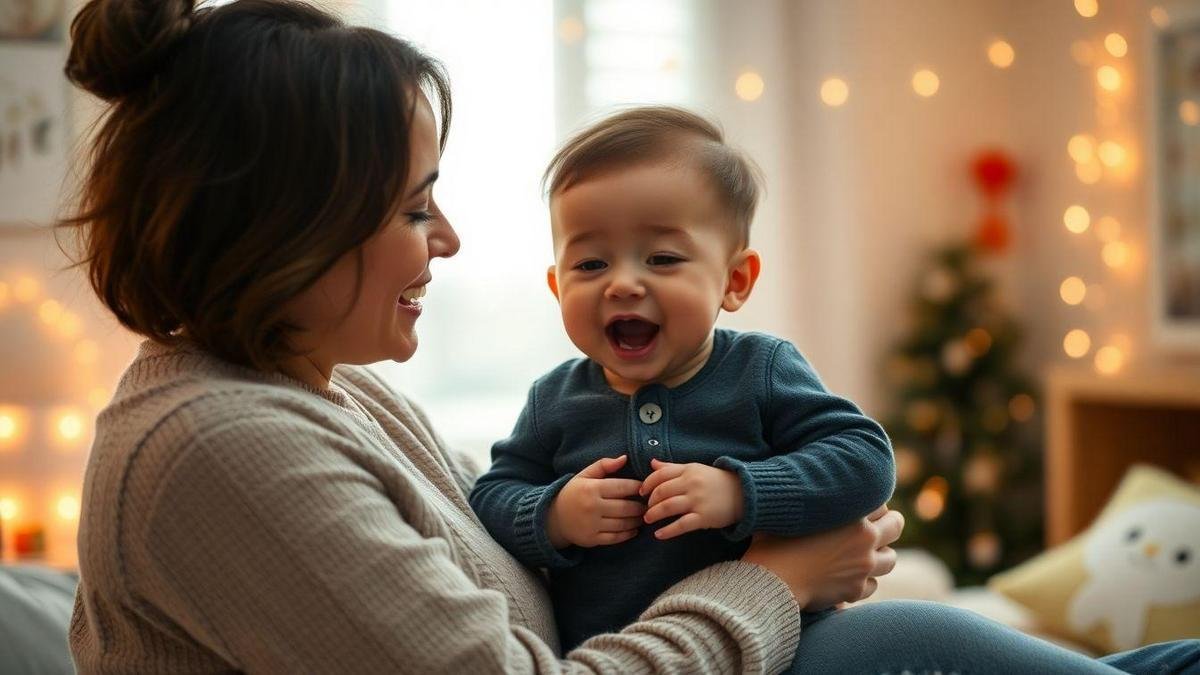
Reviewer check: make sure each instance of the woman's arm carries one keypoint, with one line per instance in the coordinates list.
(272, 542)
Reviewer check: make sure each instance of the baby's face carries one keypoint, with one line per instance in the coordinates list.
(642, 267)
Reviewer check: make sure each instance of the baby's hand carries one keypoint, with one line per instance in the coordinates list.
(592, 510)
(704, 497)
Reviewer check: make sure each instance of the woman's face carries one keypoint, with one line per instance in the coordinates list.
(395, 270)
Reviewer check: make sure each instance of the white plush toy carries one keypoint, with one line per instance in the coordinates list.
(1146, 556)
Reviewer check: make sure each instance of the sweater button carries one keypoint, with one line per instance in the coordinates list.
(650, 413)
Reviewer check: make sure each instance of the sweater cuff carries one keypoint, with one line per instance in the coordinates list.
(753, 604)
(531, 541)
(770, 498)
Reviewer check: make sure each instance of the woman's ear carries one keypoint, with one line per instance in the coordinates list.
(552, 281)
(743, 273)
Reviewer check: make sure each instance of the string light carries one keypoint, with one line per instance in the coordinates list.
(834, 92)
(1076, 219)
(1116, 254)
(1160, 17)
(926, 83)
(13, 422)
(67, 507)
(1087, 8)
(1111, 153)
(1081, 148)
(570, 30)
(49, 311)
(931, 500)
(1109, 359)
(26, 289)
(8, 508)
(749, 86)
(69, 325)
(1072, 290)
(1077, 343)
(1021, 407)
(69, 427)
(1116, 45)
(1109, 78)
(1001, 54)
(1189, 113)
(1108, 229)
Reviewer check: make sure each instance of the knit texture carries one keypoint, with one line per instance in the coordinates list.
(241, 521)
(808, 461)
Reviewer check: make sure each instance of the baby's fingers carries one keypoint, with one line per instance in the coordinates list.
(662, 472)
(619, 524)
(622, 508)
(671, 507)
(671, 488)
(685, 524)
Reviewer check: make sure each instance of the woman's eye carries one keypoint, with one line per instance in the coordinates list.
(591, 266)
(417, 217)
(664, 259)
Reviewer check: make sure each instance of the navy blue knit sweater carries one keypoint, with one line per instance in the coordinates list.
(808, 461)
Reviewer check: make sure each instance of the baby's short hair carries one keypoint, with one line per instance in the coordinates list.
(654, 133)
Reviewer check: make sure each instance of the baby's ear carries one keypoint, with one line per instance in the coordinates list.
(743, 273)
(552, 281)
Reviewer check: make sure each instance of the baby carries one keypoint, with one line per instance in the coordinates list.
(673, 442)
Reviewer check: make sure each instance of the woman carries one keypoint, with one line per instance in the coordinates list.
(260, 207)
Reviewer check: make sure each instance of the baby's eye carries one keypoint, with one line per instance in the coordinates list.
(1133, 534)
(591, 265)
(1183, 555)
(664, 259)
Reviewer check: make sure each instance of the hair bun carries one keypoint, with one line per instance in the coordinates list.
(119, 45)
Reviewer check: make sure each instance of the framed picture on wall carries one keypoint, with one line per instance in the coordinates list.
(1176, 208)
(33, 110)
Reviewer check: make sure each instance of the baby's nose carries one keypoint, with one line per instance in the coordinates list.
(1150, 549)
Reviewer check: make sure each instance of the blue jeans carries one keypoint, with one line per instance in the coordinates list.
(917, 638)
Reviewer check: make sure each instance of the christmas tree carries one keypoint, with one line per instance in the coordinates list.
(968, 459)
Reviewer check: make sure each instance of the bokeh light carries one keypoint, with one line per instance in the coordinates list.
(749, 86)
(1076, 219)
(1076, 343)
(834, 92)
(1116, 45)
(1109, 78)
(926, 83)
(1072, 290)
(1001, 54)
(1116, 254)
(1109, 359)
(1087, 8)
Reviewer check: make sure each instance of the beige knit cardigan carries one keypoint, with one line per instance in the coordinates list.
(241, 521)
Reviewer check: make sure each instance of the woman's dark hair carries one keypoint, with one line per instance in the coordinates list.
(247, 148)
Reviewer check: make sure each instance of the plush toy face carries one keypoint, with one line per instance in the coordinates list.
(1153, 547)
(1145, 556)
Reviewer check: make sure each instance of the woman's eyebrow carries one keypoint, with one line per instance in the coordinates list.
(433, 176)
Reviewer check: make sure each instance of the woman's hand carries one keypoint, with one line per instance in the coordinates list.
(835, 566)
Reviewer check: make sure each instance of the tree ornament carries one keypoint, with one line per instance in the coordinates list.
(994, 173)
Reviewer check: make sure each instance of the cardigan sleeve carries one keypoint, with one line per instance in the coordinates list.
(269, 545)
(832, 464)
(513, 497)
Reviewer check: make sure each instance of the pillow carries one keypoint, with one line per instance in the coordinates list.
(1130, 579)
(35, 609)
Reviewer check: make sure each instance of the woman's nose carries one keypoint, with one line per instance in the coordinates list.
(443, 240)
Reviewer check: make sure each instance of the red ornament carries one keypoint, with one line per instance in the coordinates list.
(994, 172)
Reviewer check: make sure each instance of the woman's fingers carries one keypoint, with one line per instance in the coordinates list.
(622, 508)
(869, 589)
(687, 523)
(885, 561)
(619, 524)
(667, 508)
(662, 473)
(888, 528)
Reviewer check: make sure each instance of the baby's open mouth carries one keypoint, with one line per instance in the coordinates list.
(631, 336)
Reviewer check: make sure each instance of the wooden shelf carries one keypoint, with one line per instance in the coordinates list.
(1097, 426)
